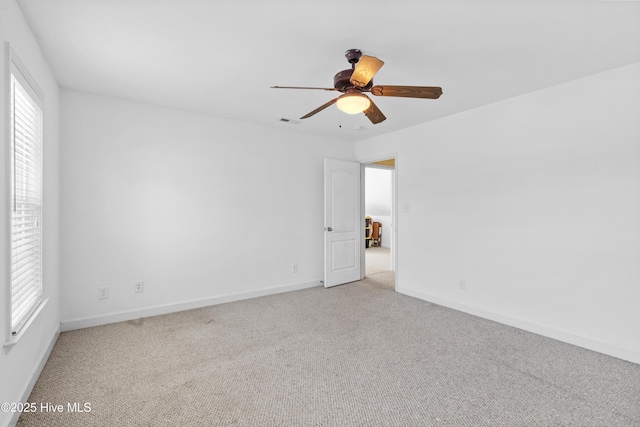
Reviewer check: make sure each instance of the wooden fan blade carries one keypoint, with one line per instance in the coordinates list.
(373, 113)
(367, 67)
(320, 108)
(430, 92)
(302, 87)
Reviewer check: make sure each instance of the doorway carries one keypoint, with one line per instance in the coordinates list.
(379, 210)
(345, 229)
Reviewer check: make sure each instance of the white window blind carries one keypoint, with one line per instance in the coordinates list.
(26, 203)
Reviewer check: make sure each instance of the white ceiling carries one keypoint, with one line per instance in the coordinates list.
(221, 57)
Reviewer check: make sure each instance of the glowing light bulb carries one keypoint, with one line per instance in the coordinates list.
(353, 104)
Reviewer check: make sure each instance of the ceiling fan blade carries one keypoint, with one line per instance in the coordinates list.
(320, 108)
(430, 92)
(373, 113)
(301, 87)
(367, 67)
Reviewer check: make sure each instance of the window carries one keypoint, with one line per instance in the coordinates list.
(26, 198)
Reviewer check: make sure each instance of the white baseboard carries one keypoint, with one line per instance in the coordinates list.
(536, 328)
(121, 316)
(28, 388)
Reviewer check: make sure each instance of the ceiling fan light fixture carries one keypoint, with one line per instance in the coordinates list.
(353, 104)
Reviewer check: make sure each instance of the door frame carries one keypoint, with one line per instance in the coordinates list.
(394, 213)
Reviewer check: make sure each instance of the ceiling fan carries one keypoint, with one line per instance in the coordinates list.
(354, 82)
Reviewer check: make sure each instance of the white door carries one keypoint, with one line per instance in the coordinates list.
(342, 222)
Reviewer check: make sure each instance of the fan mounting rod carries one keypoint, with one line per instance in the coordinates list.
(353, 56)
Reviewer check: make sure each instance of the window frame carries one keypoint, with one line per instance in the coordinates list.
(16, 68)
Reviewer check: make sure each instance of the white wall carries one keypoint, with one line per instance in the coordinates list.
(378, 199)
(20, 364)
(202, 209)
(535, 203)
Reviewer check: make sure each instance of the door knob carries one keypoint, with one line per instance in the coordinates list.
(328, 228)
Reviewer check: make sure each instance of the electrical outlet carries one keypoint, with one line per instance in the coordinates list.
(138, 287)
(294, 268)
(103, 292)
(462, 285)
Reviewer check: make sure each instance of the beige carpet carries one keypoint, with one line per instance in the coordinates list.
(377, 260)
(354, 355)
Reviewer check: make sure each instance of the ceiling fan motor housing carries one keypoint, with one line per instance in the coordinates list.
(341, 80)
(342, 83)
